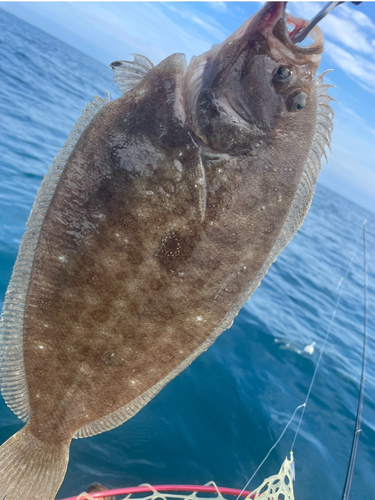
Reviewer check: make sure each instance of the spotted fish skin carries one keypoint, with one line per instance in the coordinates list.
(165, 216)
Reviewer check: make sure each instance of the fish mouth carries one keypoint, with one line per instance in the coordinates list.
(273, 18)
(279, 26)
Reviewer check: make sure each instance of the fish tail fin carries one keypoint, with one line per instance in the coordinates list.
(30, 468)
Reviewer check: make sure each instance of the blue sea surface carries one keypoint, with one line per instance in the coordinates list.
(218, 419)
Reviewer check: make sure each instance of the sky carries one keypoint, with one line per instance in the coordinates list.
(108, 31)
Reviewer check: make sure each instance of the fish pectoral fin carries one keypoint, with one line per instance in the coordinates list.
(129, 73)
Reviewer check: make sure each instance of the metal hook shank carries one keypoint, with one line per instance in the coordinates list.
(302, 33)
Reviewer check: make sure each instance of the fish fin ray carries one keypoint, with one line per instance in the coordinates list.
(142, 61)
(325, 133)
(129, 73)
(326, 110)
(123, 414)
(31, 468)
(12, 369)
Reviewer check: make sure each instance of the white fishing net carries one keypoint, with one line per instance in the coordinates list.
(277, 487)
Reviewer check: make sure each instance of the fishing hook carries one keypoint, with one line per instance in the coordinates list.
(302, 33)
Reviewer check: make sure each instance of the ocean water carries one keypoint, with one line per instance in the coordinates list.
(219, 418)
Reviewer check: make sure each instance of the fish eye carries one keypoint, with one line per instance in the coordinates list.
(297, 101)
(282, 77)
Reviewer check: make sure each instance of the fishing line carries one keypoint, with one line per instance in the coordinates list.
(358, 422)
(322, 351)
(303, 405)
(270, 450)
(320, 357)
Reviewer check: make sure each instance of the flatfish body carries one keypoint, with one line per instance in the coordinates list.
(157, 221)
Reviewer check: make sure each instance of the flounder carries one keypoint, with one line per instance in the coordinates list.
(154, 224)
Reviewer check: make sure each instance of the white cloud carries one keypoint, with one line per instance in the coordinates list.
(357, 16)
(218, 6)
(132, 26)
(208, 23)
(212, 30)
(357, 67)
(305, 10)
(349, 111)
(239, 10)
(346, 32)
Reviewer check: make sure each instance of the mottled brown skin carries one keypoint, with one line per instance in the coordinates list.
(132, 273)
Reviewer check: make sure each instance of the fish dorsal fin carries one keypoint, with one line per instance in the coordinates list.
(129, 73)
(12, 369)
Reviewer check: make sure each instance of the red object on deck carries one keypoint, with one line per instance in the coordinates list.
(167, 487)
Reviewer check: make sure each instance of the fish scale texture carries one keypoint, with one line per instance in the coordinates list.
(25, 460)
